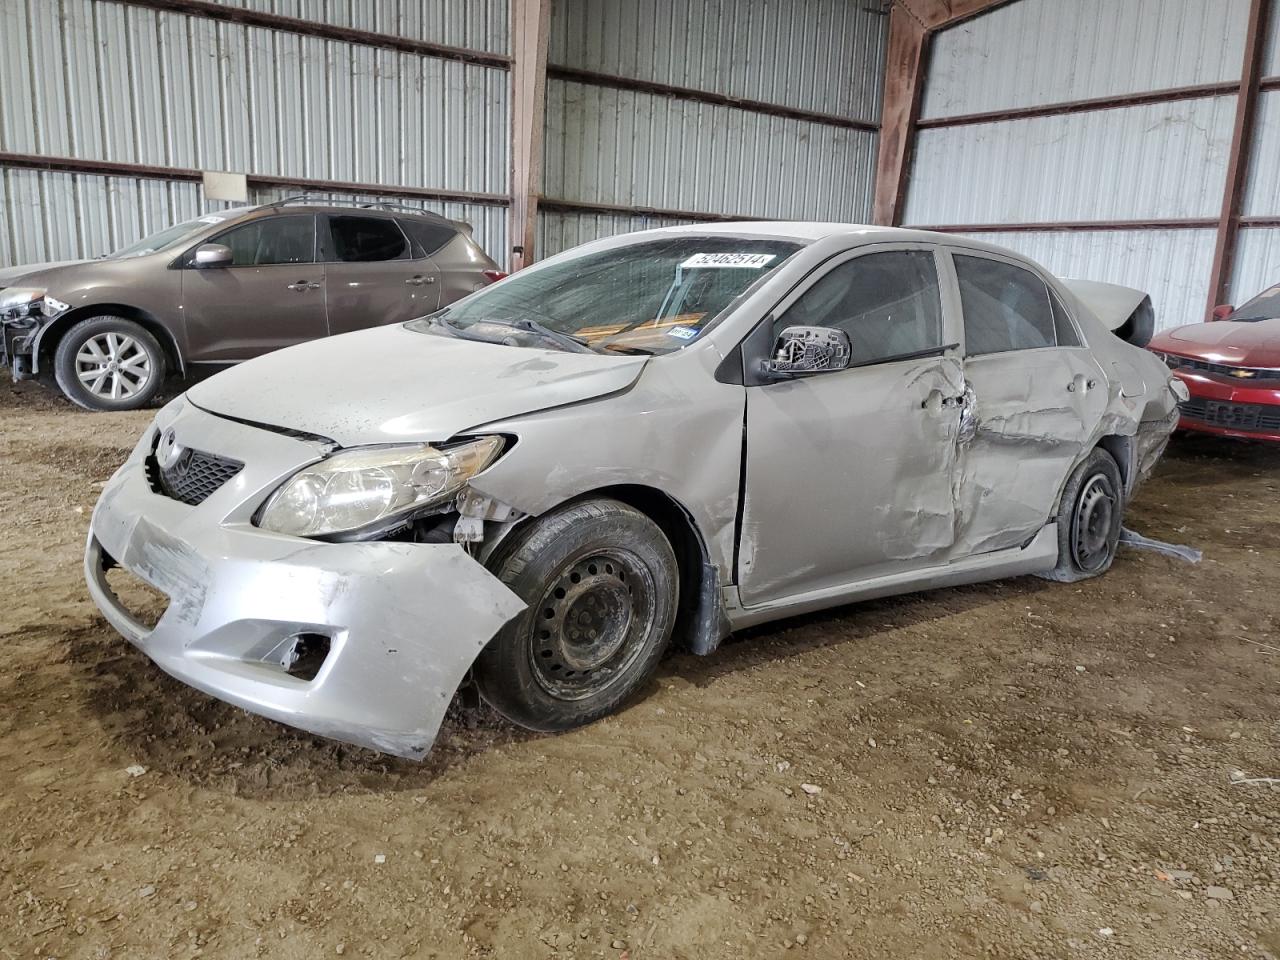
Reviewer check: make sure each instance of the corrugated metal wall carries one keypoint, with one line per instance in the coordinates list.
(1257, 260)
(1149, 162)
(108, 81)
(627, 148)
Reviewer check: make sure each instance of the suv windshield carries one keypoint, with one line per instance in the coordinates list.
(1264, 306)
(649, 297)
(168, 237)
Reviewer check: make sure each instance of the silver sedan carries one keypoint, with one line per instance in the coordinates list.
(675, 433)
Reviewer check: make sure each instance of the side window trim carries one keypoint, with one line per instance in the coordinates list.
(188, 257)
(952, 325)
(953, 252)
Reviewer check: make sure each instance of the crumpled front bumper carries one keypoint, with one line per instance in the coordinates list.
(404, 621)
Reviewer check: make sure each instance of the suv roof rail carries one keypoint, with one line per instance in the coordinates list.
(380, 204)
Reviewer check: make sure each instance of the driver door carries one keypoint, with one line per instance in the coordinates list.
(849, 473)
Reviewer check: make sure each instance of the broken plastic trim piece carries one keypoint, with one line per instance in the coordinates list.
(1175, 550)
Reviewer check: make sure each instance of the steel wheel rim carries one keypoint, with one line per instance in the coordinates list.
(1092, 522)
(591, 624)
(113, 366)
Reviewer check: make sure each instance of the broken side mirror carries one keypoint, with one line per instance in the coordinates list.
(212, 255)
(1222, 311)
(799, 351)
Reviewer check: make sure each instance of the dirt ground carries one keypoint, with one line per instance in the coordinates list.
(1018, 769)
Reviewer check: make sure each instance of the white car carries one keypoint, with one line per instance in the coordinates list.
(676, 432)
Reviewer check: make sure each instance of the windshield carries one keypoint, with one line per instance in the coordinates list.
(1264, 306)
(649, 297)
(168, 237)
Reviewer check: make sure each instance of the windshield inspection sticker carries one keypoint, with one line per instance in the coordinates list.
(748, 261)
(684, 333)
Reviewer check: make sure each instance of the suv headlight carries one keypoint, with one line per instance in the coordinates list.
(28, 301)
(372, 487)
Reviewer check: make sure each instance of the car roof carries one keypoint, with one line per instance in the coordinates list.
(812, 230)
(308, 205)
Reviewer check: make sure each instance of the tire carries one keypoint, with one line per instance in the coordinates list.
(602, 586)
(1089, 518)
(109, 363)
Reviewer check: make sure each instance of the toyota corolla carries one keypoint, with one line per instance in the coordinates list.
(675, 433)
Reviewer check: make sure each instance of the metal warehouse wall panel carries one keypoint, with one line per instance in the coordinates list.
(66, 216)
(116, 82)
(1257, 263)
(1133, 163)
(475, 24)
(821, 55)
(1171, 265)
(1035, 52)
(633, 149)
(1262, 191)
(1271, 55)
(560, 230)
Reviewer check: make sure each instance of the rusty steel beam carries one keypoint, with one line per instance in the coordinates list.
(1167, 95)
(1238, 161)
(530, 29)
(312, 28)
(1075, 226)
(113, 168)
(593, 78)
(903, 85)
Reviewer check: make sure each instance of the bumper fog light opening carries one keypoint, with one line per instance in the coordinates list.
(303, 654)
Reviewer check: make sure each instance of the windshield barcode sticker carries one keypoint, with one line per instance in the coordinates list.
(683, 333)
(748, 261)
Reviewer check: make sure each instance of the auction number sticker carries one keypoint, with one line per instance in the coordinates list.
(747, 261)
(683, 333)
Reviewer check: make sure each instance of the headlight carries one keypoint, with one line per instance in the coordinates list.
(363, 488)
(1179, 390)
(1171, 361)
(30, 300)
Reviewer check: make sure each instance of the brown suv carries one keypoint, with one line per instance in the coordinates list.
(226, 287)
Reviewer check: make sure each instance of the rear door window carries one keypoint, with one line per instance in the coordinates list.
(426, 236)
(356, 239)
(269, 240)
(1005, 307)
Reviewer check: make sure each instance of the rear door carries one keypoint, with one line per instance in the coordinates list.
(451, 258)
(371, 274)
(848, 473)
(271, 296)
(1037, 394)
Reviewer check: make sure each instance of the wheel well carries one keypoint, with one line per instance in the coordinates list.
(700, 621)
(53, 333)
(1121, 450)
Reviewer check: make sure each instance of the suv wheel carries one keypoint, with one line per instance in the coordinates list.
(109, 363)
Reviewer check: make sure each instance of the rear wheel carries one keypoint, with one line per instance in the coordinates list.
(109, 363)
(601, 584)
(1089, 518)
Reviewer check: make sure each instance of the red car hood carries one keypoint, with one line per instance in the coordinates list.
(1253, 344)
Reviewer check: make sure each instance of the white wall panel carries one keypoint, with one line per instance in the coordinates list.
(1257, 263)
(1262, 190)
(116, 82)
(1035, 52)
(562, 230)
(64, 216)
(1145, 162)
(626, 148)
(475, 24)
(821, 55)
(1171, 265)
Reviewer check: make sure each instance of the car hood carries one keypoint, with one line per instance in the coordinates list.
(1252, 344)
(11, 275)
(394, 385)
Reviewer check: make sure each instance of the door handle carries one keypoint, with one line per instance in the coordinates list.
(305, 285)
(420, 280)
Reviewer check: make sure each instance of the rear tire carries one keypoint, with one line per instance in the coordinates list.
(601, 583)
(109, 363)
(1089, 518)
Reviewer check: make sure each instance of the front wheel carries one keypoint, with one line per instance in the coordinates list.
(601, 584)
(109, 363)
(1089, 518)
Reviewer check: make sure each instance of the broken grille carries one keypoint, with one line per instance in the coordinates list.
(1264, 418)
(193, 477)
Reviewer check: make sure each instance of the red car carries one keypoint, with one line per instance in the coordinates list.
(1231, 367)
